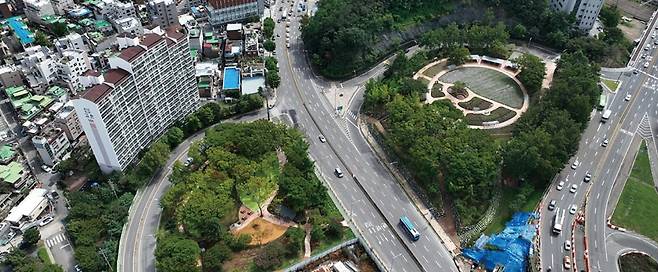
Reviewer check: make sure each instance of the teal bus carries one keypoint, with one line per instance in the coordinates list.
(603, 100)
(409, 228)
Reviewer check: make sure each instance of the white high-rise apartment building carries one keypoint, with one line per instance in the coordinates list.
(162, 12)
(586, 11)
(150, 85)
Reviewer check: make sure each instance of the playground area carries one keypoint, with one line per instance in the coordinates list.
(484, 89)
(262, 231)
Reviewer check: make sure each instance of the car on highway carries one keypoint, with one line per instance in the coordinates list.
(573, 209)
(338, 172)
(628, 97)
(575, 164)
(588, 177)
(573, 189)
(604, 143)
(552, 204)
(567, 245)
(46, 221)
(567, 262)
(322, 138)
(560, 185)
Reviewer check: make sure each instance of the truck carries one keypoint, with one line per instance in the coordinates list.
(606, 116)
(557, 221)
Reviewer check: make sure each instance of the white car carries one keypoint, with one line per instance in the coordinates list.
(574, 165)
(646, 65)
(588, 177)
(560, 186)
(573, 209)
(46, 168)
(604, 143)
(628, 97)
(46, 221)
(188, 161)
(567, 245)
(573, 189)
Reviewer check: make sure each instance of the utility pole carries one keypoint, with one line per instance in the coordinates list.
(102, 252)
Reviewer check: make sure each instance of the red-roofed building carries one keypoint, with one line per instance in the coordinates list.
(227, 11)
(151, 85)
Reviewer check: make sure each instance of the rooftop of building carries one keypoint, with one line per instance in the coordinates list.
(49, 133)
(31, 202)
(11, 173)
(220, 4)
(20, 29)
(29, 105)
(6, 152)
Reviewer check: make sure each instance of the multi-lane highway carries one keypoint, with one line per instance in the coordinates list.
(370, 197)
(632, 119)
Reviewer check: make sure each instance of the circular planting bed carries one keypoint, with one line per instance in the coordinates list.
(498, 115)
(437, 90)
(489, 83)
(476, 104)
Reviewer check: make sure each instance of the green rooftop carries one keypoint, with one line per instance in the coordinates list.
(101, 24)
(11, 173)
(56, 91)
(212, 41)
(203, 85)
(86, 22)
(193, 53)
(28, 105)
(6, 152)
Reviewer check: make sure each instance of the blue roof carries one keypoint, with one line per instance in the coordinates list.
(21, 30)
(231, 78)
(79, 12)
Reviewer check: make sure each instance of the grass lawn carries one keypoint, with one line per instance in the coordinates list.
(437, 90)
(43, 255)
(424, 80)
(249, 202)
(435, 69)
(504, 213)
(611, 84)
(636, 207)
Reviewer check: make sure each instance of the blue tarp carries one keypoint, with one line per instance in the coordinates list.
(509, 249)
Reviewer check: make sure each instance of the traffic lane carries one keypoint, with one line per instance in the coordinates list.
(380, 185)
(624, 240)
(361, 212)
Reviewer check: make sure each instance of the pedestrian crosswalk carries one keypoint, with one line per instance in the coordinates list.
(57, 239)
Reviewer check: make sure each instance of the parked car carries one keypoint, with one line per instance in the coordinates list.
(567, 262)
(188, 161)
(573, 189)
(567, 245)
(46, 221)
(46, 168)
(552, 204)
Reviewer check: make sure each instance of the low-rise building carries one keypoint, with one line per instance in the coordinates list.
(207, 74)
(62, 6)
(29, 209)
(38, 67)
(13, 173)
(67, 120)
(7, 154)
(35, 10)
(10, 75)
(70, 67)
(71, 41)
(51, 144)
(162, 12)
(129, 25)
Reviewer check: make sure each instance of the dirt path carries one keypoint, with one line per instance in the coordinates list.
(447, 221)
(307, 241)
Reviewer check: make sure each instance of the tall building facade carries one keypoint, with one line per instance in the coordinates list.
(227, 11)
(586, 11)
(162, 12)
(151, 84)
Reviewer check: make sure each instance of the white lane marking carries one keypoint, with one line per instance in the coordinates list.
(598, 195)
(562, 197)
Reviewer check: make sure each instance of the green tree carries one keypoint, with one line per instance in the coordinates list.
(192, 124)
(154, 158)
(31, 237)
(268, 27)
(60, 29)
(41, 39)
(270, 257)
(271, 64)
(610, 16)
(519, 31)
(273, 80)
(174, 137)
(269, 45)
(88, 258)
(256, 188)
(249, 102)
(459, 55)
(215, 256)
(176, 254)
(532, 72)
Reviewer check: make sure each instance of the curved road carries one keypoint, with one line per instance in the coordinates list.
(373, 202)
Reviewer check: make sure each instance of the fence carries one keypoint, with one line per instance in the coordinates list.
(300, 265)
(479, 227)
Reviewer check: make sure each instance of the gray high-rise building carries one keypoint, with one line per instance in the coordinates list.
(162, 12)
(586, 11)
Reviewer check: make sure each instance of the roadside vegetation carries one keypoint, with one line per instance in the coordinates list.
(260, 165)
(19, 260)
(611, 84)
(636, 206)
(97, 214)
(467, 165)
(637, 262)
